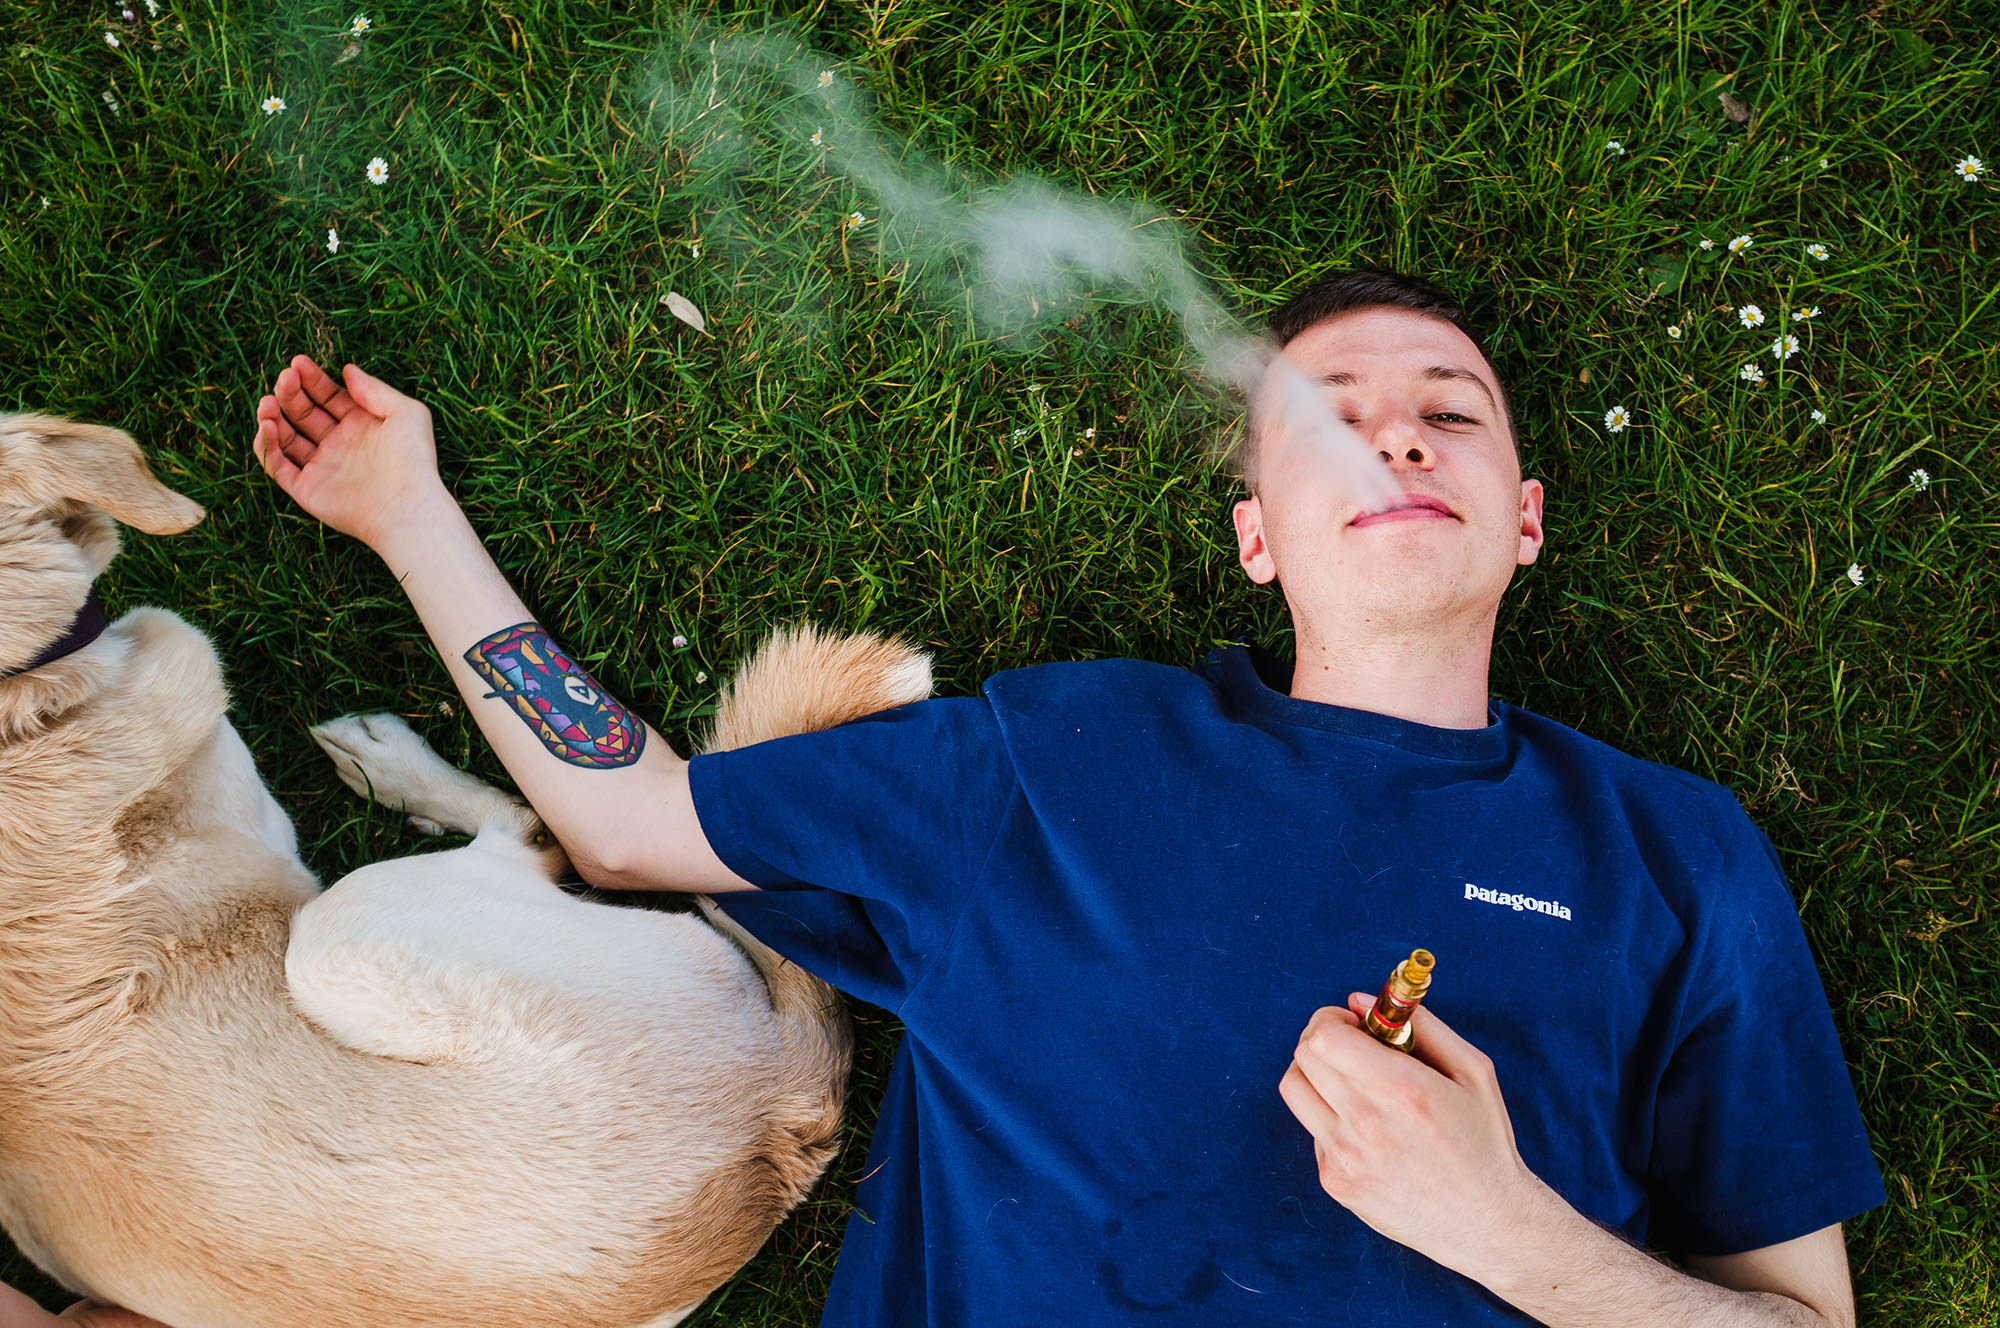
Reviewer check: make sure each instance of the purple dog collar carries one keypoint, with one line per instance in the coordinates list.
(89, 625)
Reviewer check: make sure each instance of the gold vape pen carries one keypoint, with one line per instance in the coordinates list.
(1389, 1021)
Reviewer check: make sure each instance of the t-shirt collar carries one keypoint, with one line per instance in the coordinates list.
(1260, 683)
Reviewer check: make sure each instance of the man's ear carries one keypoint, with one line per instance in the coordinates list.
(1531, 522)
(44, 460)
(1251, 549)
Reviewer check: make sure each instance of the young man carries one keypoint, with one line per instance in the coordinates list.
(1105, 898)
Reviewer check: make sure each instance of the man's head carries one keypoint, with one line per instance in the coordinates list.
(1401, 364)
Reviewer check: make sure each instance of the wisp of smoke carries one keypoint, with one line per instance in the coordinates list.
(1019, 255)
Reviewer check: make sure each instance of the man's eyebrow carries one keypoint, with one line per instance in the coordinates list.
(1437, 373)
(1446, 372)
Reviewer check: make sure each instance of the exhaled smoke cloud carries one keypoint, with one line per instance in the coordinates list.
(1018, 255)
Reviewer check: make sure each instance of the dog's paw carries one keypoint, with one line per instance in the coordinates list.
(381, 757)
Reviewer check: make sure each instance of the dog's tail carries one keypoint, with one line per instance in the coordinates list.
(800, 680)
(804, 679)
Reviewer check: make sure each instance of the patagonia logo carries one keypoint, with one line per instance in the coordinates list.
(1518, 903)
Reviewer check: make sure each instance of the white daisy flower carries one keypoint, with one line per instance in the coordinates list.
(360, 25)
(701, 676)
(378, 171)
(1090, 433)
(1740, 243)
(1616, 419)
(109, 100)
(1751, 373)
(332, 240)
(694, 250)
(45, 200)
(1819, 417)
(1855, 574)
(1018, 435)
(1920, 479)
(153, 8)
(680, 642)
(1751, 315)
(1970, 169)
(818, 139)
(1801, 315)
(825, 77)
(272, 105)
(1708, 244)
(112, 38)
(1824, 163)
(1819, 251)
(129, 16)
(856, 219)
(1674, 331)
(1615, 146)
(1785, 347)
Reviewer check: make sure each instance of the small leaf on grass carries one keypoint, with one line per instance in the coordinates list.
(1734, 107)
(1911, 47)
(1624, 90)
(683, 308)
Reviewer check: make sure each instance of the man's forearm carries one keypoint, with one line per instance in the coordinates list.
(620, 806)
(18, 1311)
(1570, 1273)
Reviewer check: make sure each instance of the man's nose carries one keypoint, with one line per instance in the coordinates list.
(1400, 442)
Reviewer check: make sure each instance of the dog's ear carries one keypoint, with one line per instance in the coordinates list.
(44, 459)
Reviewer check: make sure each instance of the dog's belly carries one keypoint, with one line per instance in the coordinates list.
(469, 955)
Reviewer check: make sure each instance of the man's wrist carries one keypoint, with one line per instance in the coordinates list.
(411, 523)
(1532, 1234)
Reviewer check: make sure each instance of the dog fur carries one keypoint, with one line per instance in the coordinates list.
(444, 1093)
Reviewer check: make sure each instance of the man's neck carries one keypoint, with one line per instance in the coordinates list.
(1433, 678)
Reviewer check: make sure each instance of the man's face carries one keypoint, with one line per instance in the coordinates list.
(1426, 402)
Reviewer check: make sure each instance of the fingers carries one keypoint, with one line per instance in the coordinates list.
(374, 395)
(1338, 1059)
(293, 443)
(271, 455)
(1435, 1044)
(311, 401)
(1306, 1103)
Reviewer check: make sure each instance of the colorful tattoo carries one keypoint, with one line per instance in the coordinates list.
(576, 719)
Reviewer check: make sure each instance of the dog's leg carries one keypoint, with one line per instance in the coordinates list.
(383, 759)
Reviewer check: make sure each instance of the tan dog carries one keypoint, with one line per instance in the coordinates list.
(442, 1093)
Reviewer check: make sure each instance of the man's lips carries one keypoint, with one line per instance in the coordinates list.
(1411, 507)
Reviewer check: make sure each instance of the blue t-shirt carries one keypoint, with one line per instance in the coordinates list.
(1105, 898)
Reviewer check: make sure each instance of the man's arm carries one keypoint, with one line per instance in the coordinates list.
(18, 1311)
(1421, 1149)
(361, 457)
(1570, 1273)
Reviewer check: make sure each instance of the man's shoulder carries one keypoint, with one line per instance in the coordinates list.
(1663, 803)
(1121, 682)
(1614, 764)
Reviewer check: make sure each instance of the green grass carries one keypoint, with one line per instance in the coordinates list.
(841, 448)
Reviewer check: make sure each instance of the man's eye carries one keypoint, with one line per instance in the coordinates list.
(1452, 417)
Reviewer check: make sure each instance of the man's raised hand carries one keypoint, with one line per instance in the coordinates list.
(1419, 1147)
(358, 454)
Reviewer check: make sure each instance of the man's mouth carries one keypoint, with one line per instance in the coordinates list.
(1411, 507)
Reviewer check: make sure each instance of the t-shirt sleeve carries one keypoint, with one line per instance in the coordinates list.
(1758, 1138)
(866, 838)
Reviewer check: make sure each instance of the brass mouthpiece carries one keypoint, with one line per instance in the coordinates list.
(1389, 1021)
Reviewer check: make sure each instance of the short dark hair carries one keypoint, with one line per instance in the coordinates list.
(1344, 291)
